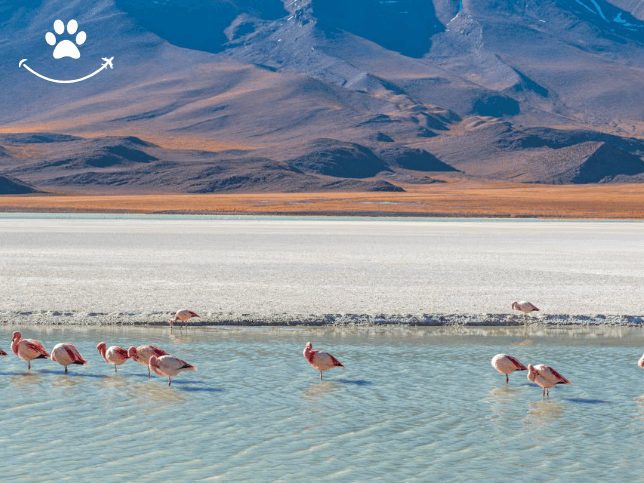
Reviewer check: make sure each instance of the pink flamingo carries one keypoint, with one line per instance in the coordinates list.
(322, 361)
(183, 315)
(641, 362)
(545, 377)
(66, 354)
(27, 349)
(114, 355)
(525, 307)
(143, 353)
(2, 353)
(169, 366)
(506, 364)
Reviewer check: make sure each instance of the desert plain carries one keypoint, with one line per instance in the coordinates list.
(460, 198)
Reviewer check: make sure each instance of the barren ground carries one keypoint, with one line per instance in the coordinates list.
(461, 198)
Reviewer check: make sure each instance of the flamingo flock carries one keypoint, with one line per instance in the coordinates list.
(163, 364)
(542, 375)
(157, 360)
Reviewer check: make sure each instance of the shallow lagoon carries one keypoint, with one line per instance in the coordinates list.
(413, 405)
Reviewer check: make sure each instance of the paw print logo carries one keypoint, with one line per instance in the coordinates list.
(66, 48)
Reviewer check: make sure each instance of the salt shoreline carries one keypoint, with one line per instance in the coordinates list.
(319, 272)
(92, 319)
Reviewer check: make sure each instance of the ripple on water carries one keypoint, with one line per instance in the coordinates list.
(412, 407)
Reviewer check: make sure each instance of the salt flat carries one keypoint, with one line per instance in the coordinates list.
(279, 267)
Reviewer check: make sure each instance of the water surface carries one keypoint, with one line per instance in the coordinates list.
(413, 405)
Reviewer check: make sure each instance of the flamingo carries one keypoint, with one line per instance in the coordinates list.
(506, 364)
(114, 355)
(525, 307)
(143, 353)
(322, 361)
(169, 366)
(545, 377)
(66, 354)
(641, 362)
(2, 353)
(27, 349)
(183, 315)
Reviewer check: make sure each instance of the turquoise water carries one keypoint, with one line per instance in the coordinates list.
(413, 405)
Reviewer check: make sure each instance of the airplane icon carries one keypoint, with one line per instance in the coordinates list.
(108, 62)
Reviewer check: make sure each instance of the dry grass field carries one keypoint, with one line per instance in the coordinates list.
(462, 198)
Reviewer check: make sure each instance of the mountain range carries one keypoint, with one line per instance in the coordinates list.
(212, 96)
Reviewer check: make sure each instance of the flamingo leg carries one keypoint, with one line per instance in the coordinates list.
(169, 382)
(148, 372)
(65, 369)
(115, 368)
(507, 379)
(320, 376)
(28, 365)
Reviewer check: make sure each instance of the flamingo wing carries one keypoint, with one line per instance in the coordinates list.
(74, 355)
(193, 314)
(185, 365)
(122, 353)
(559, 377)
(36, 347)
(336, 363)
(168, 364)
(517, 364)
(158, 352)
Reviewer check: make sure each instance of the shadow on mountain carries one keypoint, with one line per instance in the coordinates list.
(340, 159)
(412, 158)
(589, 162)
(495, 105)
(404, 26)
(13, 186)
(198, 24)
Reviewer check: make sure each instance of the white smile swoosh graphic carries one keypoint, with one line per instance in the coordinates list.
(108, 62)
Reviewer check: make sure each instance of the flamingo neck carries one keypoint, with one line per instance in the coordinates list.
(14, 345)
(309, 354)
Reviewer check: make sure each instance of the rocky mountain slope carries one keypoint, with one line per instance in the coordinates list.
(306, 95)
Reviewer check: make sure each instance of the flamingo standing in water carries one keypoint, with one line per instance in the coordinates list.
(641, 362)
(114, 355)
(2, 353)
(27, 349)
(66, 354)
(169, 366)
(322, 361)
(143, 353)
(506, 364)
(183, 315)
(525, 307)
(545, 377)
